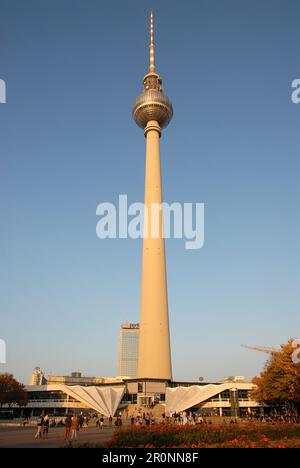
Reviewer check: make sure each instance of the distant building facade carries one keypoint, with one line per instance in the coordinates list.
(76, 378)
(212, 399)
(129, 349)
(37, 377)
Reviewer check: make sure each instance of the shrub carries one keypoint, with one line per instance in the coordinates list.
(203, 436)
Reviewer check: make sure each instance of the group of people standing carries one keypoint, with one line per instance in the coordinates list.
(73, 423)
(188, 417)
(42, 427)
(145, 419)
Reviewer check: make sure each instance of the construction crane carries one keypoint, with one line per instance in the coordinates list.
(263, 349)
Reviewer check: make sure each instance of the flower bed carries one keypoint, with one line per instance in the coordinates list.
(225, 436)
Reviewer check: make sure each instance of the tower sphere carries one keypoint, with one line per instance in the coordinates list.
(152, 104)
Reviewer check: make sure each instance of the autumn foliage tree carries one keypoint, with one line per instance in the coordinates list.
(279, 383)
(12, 391)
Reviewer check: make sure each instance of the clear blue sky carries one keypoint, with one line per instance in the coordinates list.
(68, 142)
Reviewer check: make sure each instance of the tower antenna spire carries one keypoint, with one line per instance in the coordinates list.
(152, 65)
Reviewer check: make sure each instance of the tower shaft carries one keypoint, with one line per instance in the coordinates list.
(153, 111)
(154, 345)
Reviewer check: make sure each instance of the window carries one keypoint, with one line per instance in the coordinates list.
(243, 394)
(225, 395)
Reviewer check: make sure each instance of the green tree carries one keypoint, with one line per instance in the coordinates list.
(279, 383)
(12, 391)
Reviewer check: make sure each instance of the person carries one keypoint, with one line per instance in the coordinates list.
(74, 426)
(46, 427)
(101, 421)
(110, 420)
(200, 419)
(80, 421)
(68, 424)
(118, 421)
(40, 426)
(25, 421)
(85, 423)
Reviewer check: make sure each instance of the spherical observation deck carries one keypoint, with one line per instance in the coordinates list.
(152, 104)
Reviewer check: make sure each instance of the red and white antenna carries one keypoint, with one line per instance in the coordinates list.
(152, 66)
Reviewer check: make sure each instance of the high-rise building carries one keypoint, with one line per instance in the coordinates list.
(37, 377)
(153, 111)
(128, 349)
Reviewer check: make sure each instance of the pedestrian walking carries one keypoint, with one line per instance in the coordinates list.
(80, 421)
(101, 422)
(74, 427)
(85, 423)
(40, 426)
(68, 423)
(25, 421)
(46, 427)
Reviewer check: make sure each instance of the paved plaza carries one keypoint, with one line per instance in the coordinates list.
(20, 437)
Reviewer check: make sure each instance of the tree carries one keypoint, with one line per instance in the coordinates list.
(12, 391)
(279, 383)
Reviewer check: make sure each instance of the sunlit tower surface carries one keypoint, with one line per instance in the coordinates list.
(153, 111)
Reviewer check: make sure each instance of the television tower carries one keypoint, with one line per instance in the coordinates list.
(153, 111)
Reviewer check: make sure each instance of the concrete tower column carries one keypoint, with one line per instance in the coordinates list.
(154, 348)
(153, 111)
